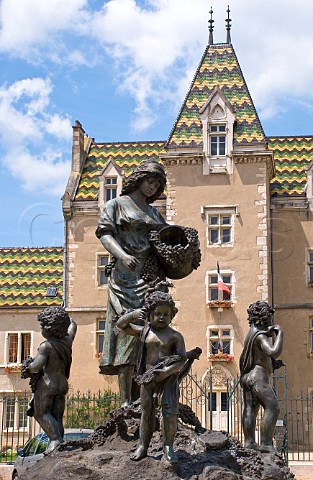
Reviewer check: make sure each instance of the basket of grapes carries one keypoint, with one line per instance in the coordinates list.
(177, 249)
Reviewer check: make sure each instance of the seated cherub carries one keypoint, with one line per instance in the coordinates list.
(163, 359)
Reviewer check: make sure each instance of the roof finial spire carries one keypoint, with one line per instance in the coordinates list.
(228, 26)
(211, 21)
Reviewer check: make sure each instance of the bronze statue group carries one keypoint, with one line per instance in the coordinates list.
(140, 347)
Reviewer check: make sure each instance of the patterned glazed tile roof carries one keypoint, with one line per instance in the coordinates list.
(219, 67)
(127, 155)
(292, 156)
(25, 274)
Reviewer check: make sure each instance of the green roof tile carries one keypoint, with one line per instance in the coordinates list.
(292, 156)
(26, 273)
(219, 67)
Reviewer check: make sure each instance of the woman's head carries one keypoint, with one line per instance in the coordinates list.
(146, 170)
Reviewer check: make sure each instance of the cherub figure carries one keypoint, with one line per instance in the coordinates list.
(162, 360)
(49, 372)
(263, 343)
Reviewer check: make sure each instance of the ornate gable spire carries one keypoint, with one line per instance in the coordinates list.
(228, 26)
(211, 21)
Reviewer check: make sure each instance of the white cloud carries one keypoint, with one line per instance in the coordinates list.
(156, 45)
(27, 126)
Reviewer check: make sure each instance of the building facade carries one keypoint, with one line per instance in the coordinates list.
(250, 196)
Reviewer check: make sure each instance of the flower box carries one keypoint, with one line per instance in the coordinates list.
(13, 368)
(98, 355)
(220, 304)
(221, 357)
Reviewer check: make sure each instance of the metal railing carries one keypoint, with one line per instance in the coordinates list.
(82, 410)
(218, 407)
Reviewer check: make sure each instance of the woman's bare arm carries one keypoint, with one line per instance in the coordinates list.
(113, 247)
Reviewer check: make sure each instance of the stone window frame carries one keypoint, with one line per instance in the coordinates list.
(219, 338)
(217, 111)
(110, 187)
(220, 210)
(99, 333)
(100, 268)
(19, 354)
(309, 266)
(222, 296)
(13, 405)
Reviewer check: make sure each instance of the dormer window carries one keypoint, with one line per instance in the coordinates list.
(217, 140)
(218, 120)
(110, 183)
(110, 188)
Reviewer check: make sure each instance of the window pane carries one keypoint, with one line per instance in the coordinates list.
(213, 236)
(42, 445)
(214, 146)
(100, 340)
(25, 350)
(114, 180)
(224, 401)
(311, 338)
(311, 322)
(104, 260)
(213, 220)
(22, 407)
(226, 346)
(214, 347)
(10, 413)
(226, 295)
(213, 294)
(13, 344)
(226, 333)
(225, 235)
(213, 128)
(213, 279)
(108, 181)
(222, 128)
(107, 194)
(222, 146)
(101, 324)
(226, 220)
(311, 273)
(214, 333)
(226, 278)
(212, 398)
(310, 256)
(103, 278)
(113, 193)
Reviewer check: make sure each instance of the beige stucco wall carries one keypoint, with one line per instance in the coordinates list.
(248, 258)
(292, 236)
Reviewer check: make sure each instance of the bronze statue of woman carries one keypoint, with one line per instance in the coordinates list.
(123, 229)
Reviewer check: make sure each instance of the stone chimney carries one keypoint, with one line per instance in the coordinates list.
(78, 147)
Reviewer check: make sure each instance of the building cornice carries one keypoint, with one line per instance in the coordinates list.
(289, 203)
(256, 157)
(182, 159)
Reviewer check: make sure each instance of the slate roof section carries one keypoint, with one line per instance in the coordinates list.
(25, 274)
(127, 155)
(218, 67)
(292, 157)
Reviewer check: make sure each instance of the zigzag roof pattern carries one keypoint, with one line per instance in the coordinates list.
(26, 273)
(292, 157)
(127, 155)
(218, 67)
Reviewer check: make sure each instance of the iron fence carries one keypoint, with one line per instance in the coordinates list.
(83, 410)
(218, 406)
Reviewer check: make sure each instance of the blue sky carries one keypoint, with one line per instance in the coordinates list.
(122, 68)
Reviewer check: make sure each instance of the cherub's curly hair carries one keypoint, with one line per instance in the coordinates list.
(258, 312)
(158, 294)
(55, 320)
(149, 168)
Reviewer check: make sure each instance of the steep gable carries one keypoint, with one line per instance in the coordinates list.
(26, 273)
(292, 156)
(219, 67)
(126, 155)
